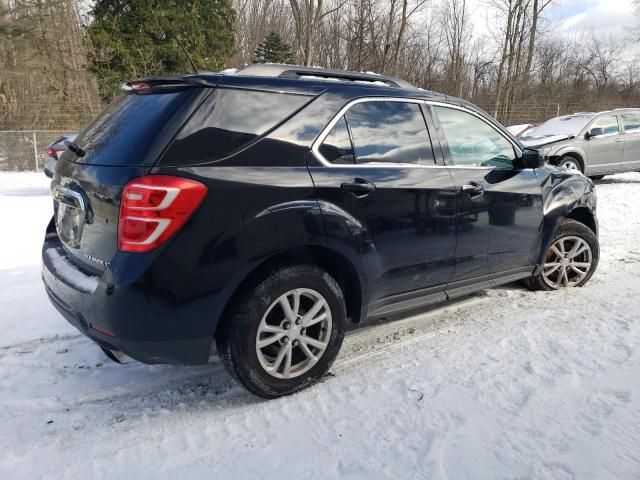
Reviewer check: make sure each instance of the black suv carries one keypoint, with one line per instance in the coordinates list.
(265, 208)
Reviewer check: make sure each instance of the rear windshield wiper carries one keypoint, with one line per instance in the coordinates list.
(75, 148)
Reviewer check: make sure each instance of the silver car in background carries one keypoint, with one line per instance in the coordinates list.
(54, 150)
(596, 144)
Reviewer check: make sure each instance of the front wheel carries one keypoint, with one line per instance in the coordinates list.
(570, 163)
(284, 333)
(571, 260)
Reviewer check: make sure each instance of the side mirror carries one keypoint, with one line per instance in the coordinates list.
(531, 158)
(594, 132)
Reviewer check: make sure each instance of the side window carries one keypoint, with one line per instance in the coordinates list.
(336, 147)
(608, 124)
(631, 122)
(228, 120)
(472, 141)
(389, 132)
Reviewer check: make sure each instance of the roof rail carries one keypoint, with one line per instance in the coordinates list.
(626, 108)
(297, 71)
(584, 113)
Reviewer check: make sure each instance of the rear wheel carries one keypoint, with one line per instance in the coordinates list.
(571, 260)
(570, 163)
(285, 332)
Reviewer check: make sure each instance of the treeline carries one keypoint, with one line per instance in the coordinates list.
(60, 60)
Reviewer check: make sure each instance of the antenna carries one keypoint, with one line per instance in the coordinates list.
(195, 69)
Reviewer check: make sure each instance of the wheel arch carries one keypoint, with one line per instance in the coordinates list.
(579, 157)
(330, 260)
(585, 216)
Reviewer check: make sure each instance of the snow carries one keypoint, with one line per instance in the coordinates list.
(504, 384)
(229, 71)
(336, 79)
(544, 140)
(518, 129)
(72, 275)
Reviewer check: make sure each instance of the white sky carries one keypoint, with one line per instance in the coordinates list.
(607, 16)
(570, 18)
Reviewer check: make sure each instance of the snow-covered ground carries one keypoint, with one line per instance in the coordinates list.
(504, 384)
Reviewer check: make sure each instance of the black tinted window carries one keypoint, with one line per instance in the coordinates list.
(472, 141)
(336, 147)
(228, 120)
(389, 132)
(127, 129)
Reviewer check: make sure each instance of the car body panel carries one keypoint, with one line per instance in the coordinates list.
(404, 230)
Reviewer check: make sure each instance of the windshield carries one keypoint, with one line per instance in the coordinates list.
(568, 125)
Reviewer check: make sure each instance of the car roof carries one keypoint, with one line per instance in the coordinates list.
(292, 77)
(315, 80)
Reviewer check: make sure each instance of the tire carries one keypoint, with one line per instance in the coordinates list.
(596, 177)
(570, 163)
(570, 233)
(259, 315)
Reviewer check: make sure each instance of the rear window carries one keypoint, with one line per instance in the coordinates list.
(125, 131)
(228, 120)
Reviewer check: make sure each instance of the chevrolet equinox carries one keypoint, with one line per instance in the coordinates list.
(262, 209)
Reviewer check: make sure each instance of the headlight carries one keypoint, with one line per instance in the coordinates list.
(545, 150)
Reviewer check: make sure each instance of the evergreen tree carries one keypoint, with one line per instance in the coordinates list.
(273, 50)
(137, 38)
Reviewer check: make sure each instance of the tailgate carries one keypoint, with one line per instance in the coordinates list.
(86, 201)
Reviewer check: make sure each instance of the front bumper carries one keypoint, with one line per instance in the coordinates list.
(145, 326)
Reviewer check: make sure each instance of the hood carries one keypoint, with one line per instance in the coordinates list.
(540, 141)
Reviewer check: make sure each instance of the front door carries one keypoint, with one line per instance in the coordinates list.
(606, 148)
(375, 165)
(499, 214)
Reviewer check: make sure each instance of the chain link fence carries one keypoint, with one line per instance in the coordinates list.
(23, 150)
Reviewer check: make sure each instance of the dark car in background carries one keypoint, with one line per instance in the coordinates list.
(54, 150)
(263, 210)
(595, 144)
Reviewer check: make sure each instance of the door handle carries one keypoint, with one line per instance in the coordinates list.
(359, 187)
(473, 190)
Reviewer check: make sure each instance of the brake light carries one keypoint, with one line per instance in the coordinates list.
(155, 207)
(53, 152)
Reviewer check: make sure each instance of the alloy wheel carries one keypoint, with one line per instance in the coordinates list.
(293, 333)
(568, 262)
(570, 165)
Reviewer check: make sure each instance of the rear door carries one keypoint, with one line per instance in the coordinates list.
(499, 214)
(376, 165)
(606, 149)
(631, 126)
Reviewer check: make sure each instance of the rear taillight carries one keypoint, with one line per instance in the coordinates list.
(53, 152)
(153, 208)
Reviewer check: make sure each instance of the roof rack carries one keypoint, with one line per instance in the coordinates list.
(315, 73)
(626, 108)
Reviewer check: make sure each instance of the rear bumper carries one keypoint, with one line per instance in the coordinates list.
(146, 326)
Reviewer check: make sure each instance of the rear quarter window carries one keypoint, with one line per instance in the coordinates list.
(228, 120)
